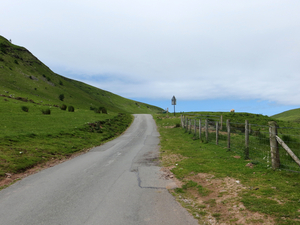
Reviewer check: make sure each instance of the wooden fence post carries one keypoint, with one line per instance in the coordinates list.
(217, 132)
(228, 134)
(274, 145)
(186, 124)
(221, 122)
(181, 117)
(190, 129)
(195, 127)
(246, 139)
(200, 129)
(206, 130)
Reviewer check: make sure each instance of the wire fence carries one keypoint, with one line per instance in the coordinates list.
(250, 141)
(291, 137)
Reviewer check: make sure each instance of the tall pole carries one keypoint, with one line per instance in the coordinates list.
(174, 110)
(174, 103)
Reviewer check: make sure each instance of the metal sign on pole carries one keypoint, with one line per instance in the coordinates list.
(174, 103)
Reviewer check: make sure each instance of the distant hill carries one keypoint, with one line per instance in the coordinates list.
(22, 75)
(290, 115)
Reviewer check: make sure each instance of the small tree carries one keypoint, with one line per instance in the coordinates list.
(70, 108)
(61, 97)
(104, 110)
(63, 107)
(46, 111)
(25, 108)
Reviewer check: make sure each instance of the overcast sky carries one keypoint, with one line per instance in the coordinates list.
(212, 55)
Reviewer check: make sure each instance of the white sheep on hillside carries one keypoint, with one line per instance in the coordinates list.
(232, 110)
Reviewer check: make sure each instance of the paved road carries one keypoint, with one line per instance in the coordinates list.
(116, 183)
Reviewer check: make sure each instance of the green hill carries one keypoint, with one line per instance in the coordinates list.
(45, 116)
(23, 75)
(290, 115)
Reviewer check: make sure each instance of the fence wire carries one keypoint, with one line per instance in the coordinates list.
(259, 140)
(291, 137)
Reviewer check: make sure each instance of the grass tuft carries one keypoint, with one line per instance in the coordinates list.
(25, 108)
(63, 107)
(71, 108)
(46, 111)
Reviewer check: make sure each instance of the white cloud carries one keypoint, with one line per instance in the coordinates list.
(155, 49)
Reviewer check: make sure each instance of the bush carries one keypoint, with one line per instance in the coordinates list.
(3, 47)
(25, 108)
(101, 109)
(46, 111)
(63, 107)
(70, 108)
(61, 83)
(104, 110)
(61, 97)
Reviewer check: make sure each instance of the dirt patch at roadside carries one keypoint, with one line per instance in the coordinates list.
(221, 204)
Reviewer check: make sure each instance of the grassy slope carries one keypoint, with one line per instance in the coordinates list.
(290, 115)
(30, 138)
(23, 75)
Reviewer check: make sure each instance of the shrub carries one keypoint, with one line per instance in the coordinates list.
(101, 109)
(63, 107)
(70, 108)
(61, 83)
(61, 97)
(104, 110)
(16, 62)
(46, 111)
(25, 108)
(3, 47)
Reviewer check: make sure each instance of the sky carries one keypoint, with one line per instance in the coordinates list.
(211, 55)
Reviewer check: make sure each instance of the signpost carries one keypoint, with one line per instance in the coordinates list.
(174, 103)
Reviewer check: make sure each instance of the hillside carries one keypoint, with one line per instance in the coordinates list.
(46, 117)
(23, 75)
(290, 115)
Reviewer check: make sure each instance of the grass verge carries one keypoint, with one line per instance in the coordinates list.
(218, 187)
(31, 138)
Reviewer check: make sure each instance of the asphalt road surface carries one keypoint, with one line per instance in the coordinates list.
(116, 183)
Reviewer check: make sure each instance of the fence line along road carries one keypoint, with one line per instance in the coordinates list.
(255, 142)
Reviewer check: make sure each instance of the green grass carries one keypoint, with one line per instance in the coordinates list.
(31, 137)
(45, 115)
(32, 80)
(274, 193)
(290, 115)
(15, 122)
(28, 84)
(259, 149)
